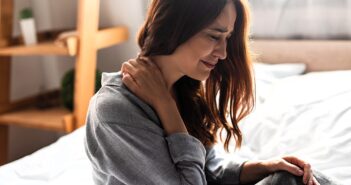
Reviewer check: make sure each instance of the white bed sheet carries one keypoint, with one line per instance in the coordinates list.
(305, 115)
(308, 116)
(63, 162)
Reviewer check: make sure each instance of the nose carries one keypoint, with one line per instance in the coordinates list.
(221, 49)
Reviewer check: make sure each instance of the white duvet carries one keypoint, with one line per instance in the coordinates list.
(61, 163)
(308, 116)
(304, 115)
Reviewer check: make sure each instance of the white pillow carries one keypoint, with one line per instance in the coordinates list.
(267, 74)
(310, 88)
(279, 70)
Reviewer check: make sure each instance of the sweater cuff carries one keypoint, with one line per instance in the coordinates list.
(232, 173)
(184, 147)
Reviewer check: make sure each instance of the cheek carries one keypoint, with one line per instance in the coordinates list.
(202, 48)
(191, 53)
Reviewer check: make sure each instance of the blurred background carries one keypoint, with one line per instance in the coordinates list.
(31, 75)
(301, 19)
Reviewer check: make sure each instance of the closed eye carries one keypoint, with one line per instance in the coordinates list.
(214, 37)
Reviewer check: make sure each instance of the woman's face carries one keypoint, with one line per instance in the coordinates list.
(200, 54)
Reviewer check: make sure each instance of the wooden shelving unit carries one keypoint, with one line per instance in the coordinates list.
(82, 44)
(54, 119)
(49, 48)
(68, 45)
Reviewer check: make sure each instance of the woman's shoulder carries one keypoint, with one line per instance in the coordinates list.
(115, 103)
(111, 79)
(110, 97)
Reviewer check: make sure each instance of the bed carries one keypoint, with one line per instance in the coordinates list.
(303, 108)
(303, 105)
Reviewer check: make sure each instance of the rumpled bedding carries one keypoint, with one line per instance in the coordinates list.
(304, 115)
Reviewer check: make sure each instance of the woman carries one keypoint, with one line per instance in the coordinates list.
(156, 123)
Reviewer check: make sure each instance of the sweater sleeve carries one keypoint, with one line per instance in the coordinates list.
(135, 152)
(221, 169)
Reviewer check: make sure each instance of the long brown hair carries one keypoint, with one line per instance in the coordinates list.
(170, 23)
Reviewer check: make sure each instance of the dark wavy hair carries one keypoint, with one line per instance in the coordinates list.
(170, 23)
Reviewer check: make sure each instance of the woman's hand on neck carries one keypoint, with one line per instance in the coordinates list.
(169, 71)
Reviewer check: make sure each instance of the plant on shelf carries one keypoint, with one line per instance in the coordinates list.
(67, 88)
(27, 24)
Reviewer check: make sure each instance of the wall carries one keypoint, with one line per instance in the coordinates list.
(44, 73)
(120, 12)
(301, 19)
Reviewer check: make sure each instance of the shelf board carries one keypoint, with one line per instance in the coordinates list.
(67, 43)
(3, 43)
(111, 36)
(54, 119)
(48, 48)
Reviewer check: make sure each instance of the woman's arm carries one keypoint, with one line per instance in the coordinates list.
(220, 169)
(127, 146)
(254, 171)
(170, 117)
(144, 79)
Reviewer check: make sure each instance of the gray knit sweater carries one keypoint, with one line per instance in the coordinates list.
(126, 144)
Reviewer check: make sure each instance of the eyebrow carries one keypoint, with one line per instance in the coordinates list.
(221, 30)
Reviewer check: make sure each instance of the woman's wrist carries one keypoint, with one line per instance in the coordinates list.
(162, 102)
(254, 171)
(169, 115)
(269, 166)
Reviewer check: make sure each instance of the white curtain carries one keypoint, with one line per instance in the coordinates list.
(312, 19)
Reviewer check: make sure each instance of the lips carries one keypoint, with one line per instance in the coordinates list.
(209, 64)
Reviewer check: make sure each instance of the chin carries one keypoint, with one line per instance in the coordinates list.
(200, 77)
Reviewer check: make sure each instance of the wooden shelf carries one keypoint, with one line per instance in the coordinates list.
(51, 98)
(111, 36)
(2, 43)
(49, 48)
(54, 119)
(67, 43)
(83, 43)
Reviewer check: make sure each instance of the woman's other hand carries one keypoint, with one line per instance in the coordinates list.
(145, 80)
(295, 166)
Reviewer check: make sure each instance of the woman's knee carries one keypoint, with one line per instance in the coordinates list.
(286, 178)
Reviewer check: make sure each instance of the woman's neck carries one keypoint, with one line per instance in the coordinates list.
(169, 71)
